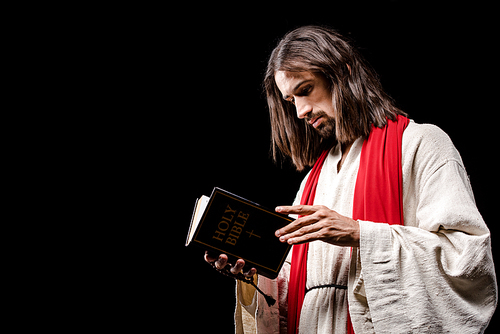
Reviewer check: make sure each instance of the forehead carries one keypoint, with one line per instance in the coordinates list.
(287, 81)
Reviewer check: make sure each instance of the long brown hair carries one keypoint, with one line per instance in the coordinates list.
(357, 95)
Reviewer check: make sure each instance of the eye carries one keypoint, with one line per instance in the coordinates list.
(305, 91)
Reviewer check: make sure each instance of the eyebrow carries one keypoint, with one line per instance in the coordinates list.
(297, 86)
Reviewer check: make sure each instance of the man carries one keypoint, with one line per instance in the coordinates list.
(388, 238)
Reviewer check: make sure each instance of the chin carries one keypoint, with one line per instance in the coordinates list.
(326, 130)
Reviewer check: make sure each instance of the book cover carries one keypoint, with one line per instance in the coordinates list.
(229, 224)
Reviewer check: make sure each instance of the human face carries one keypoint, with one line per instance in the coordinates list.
(311, 95)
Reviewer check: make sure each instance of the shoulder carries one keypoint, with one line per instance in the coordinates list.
(426, 134)
(429, 140)
(427, 148)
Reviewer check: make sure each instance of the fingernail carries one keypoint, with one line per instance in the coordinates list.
(277, 233)
(282, 239)
(279, 209)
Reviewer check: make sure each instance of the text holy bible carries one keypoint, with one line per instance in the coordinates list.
(225, 223)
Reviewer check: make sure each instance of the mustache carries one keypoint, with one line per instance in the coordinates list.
(317, 114)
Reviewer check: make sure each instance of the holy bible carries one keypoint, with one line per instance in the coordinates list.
(225, 223)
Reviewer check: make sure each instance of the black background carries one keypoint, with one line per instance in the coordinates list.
(192, 77)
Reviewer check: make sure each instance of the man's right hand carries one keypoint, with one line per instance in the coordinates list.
(222, 261)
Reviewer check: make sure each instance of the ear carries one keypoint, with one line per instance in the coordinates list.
(349, 67)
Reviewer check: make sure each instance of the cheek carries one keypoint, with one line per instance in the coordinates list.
(323, 100)
(328, 105)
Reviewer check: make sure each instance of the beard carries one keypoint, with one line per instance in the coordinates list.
(326, 129)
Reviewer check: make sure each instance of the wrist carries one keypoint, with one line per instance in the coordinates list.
(356, 234)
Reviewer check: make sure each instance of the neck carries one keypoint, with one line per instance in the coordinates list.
(345, 148)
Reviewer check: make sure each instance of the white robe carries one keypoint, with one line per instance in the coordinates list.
(435, 274)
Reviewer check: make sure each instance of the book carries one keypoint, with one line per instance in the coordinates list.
(225, 223)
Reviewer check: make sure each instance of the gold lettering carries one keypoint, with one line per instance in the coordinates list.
(243, 216)
(219, 235)
(229, 211)
(251, 234)
(240, 224)
(236, 229)
(223, 229)
(235, 232)
(231, 241)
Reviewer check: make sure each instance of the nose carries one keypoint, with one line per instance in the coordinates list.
(303, 108)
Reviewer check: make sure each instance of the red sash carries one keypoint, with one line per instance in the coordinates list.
(378, 197)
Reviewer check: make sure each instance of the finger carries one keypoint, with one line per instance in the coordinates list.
(221, 262)
(303, 231)
(238, 266)
(309, 237)
(295, 225)
(250, 273)
(210, 257)
(298, 209)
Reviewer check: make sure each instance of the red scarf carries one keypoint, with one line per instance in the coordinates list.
(378, 197)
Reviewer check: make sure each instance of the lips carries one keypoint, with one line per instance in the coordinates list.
(315, 121)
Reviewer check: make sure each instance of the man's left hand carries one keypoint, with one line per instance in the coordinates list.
(318, 223)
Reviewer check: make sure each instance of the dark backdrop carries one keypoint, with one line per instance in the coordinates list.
(201, 121)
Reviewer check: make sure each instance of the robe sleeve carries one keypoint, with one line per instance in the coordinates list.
(252, 314)
(436, 276)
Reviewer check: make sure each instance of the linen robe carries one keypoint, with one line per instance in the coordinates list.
(435, 274)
